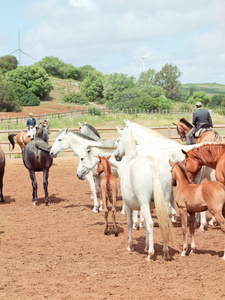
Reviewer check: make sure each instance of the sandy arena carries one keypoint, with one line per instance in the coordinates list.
(60, 251)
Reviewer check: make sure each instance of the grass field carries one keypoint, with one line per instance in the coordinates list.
(209, 88)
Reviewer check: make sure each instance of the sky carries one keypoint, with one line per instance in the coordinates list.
(113, 36)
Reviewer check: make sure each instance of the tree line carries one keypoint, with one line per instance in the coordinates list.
(28, 85)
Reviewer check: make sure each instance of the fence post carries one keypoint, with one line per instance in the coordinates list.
(169, 131)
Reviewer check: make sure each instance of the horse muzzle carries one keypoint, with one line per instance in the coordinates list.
(81, 176)
(118, 158)
(54, 155)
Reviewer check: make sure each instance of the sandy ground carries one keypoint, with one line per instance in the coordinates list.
(60, 251)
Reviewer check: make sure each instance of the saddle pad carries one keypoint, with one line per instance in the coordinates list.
(201, 130)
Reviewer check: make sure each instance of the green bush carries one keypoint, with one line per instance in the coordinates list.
(8, 99)
(25, 97)
(94, 111)
(77, 98)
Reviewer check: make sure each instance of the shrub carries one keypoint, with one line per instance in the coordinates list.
(77, 98)
(25, 97)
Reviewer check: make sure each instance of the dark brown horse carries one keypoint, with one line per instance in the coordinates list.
(192, 198)
(36, 158)
(204, 134)
(23, 137)
(2, 171)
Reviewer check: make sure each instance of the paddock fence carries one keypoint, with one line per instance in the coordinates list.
(168, 131)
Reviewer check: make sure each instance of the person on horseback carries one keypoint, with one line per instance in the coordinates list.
(201, 118)
(31, 124)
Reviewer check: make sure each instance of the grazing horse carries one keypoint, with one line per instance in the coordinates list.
(192, 198)
(23, 137)
(140, 184)
(2, 171)
(36, 158)
(108, 190)
(204, 134)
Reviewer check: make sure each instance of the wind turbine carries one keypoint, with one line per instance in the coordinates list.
(19, 50)
(142, 60)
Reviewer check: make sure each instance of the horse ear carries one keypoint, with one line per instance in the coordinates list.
(174, 124)
(80, 125)
(171, 163)
(66, 130)
(184, 152)
(99, 157)
(108, 157)
(119, 130)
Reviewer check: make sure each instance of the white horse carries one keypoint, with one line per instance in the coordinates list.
(140, 183)
(161, 147)
(76, 141)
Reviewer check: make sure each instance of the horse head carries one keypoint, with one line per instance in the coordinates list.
(61, 143)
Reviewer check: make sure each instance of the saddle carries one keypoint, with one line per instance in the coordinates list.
(205, 127)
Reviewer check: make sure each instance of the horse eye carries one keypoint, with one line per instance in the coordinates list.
(82, 158)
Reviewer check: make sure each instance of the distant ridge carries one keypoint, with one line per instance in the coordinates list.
(209, 88)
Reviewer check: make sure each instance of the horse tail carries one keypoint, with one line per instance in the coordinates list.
(164, 222)
(109, 191)
(11, 139)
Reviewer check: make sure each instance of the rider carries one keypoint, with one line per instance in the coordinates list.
(201, 118)
(31, 124)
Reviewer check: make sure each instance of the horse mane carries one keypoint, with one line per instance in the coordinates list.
(83, 136)
(183, 120)
(206, 151)
(184, 172)
(92, 129)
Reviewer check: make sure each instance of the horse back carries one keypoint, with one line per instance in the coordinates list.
(36, 159)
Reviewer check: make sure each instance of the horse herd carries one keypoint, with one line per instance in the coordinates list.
(148, 166)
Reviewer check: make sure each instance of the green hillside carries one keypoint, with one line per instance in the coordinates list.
(209, 88)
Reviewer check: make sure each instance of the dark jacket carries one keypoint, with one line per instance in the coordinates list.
(31, 122)
(200, 117)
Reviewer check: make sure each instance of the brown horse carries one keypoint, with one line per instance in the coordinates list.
(192, 198)
(2, 171)
(108, 190)
(23, 137)
(204, 134)
(211, 155)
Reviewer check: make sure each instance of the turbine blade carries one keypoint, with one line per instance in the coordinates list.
(14, 51)
(147, 54)
(138, 53)
(26, 54)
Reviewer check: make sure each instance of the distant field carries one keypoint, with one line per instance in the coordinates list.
(209, 88)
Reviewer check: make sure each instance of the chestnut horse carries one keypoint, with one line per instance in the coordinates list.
(192, 198)
(2, 171)
(23, 137)
(108, 190)
(204, 134)
(210, 155)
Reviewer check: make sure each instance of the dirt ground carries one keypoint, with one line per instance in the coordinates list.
(60, 251)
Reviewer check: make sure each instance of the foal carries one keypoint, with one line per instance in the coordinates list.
(192, 198)
(108, 190)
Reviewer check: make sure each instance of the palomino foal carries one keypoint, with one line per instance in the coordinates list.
(192, 198)
(108, 190)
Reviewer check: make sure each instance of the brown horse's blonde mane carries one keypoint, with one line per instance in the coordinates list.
(183, 120)
(207, 151)
(184, 172)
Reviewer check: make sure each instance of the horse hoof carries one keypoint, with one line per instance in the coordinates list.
(150, 256)
(101, 208)
(183, 254)
(166, 256)
(130, 248)
(47, 203)
(95, 210)
(136, 226)
(201, 229)
(2, 201)
(116, 233)
(35, 203)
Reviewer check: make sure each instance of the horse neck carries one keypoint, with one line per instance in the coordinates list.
(180, 178)
(208, 155)
(130, 147)
(106, 167)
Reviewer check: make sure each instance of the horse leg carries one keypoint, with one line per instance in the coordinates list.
(45, 185)
(221, 220)
(90, 179)
(203, 221)
(34, 185)
(183, 213)
(1, 186)
(129, 226)
(149, 225)
(173, 210)
(114, 214)
(192, 232)
(98, 183)
(135, 220)
(212, 221)
(123, 211)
